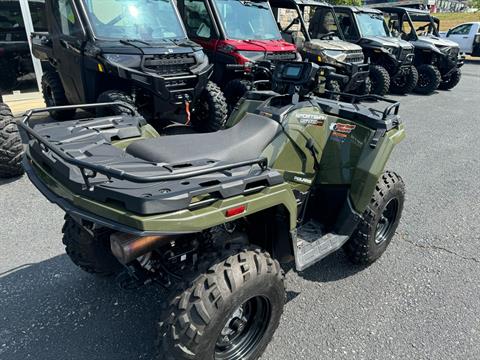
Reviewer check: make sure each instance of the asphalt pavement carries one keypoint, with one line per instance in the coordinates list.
(421, 300)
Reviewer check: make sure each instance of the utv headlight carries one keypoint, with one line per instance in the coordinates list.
(252, 55)
(338, 55)
(200, 57)
(390, 50)
(126, 60)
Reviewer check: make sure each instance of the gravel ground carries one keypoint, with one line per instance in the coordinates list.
(419, 301)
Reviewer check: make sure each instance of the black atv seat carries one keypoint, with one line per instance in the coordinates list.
(244, 141)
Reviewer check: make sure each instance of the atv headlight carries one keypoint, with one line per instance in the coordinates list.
(338, 55)
(252, 55)
(126, 60)
(200, 57)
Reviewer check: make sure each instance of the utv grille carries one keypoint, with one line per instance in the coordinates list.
(404, 53)
(281, 55)
(354, 57)
(173, 64)
(451, 52)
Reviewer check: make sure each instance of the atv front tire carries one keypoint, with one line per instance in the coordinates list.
(210, 110)
(54, 95)
(115, 96)
(405, 83)
(11, 148)
(228, 309)
(452, 81)
(90, 251)
(428, 79)
(380, 220)
(380, 80)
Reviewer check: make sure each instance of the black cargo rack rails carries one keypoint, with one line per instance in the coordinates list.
(28, 132)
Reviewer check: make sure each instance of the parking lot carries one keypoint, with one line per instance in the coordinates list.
(419, 301)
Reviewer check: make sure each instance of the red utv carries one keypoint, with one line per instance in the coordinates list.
(235, 32)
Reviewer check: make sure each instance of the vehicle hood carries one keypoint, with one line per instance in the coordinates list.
(317, 44)
(181, 47)
(389, 41)
(436, 41)
(261, 45)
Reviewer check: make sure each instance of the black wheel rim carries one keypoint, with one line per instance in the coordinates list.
(201, 112)
(385, 224)
(423, 80)
(244, 330)
(50, 100)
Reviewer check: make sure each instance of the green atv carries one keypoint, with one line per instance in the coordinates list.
(293, 178)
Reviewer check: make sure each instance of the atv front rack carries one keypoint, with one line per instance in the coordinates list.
(79, 155)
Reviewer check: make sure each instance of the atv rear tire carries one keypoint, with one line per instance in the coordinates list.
(380, 220)
(428, 79)
(115, 96)
(380, 80)
(210, 111)
(90, 251)
(8, 75)
(405, 83)
(11, 148)
(233, 299)
(334, 86)
(54, 95)
(452, 81)
(234, 90)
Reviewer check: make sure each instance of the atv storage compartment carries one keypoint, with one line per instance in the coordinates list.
(90, 154)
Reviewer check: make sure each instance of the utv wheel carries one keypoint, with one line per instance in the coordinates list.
(11, 148)
(89, 251)
(234, 90)
(365, 88)
(380, 220)
(334, 86)
(452, 81)
(428, 79)
(8, 75)
(404, 83)
(229, 309)
(210, 110)
(115, 96)
(54, 95)
(380, 80)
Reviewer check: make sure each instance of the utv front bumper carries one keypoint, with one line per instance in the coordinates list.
(357, 74)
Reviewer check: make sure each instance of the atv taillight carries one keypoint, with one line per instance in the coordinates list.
(235, 211)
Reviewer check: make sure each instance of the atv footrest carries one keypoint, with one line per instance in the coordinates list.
(312, 245)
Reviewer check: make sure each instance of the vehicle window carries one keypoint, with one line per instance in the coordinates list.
(197, 19)
(461, 30)
(287, 19)
(398, 25)
(145, 20)
(65, 17)
(347, 24)
(321, 21)
(248, 20)
(372, 25)
(12, 27)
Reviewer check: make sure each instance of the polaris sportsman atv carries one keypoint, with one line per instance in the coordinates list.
(295, 177)
(438, 61)
(235, 32)
(390, 58)
(312, 26)
(135, 52)
(11, 148)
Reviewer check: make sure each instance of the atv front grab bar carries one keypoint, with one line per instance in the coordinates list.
(110, 172)
(357, 98)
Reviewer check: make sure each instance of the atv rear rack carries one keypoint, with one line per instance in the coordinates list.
(90, 171)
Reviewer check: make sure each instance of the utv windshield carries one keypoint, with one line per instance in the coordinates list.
(248, 20)
(424, 25)
(372, 25)
(320, 21)
(144, 20)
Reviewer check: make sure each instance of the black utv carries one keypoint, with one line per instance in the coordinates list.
(313, 27)
(135, 52)
(15, 58)
(390, 58)
(437, 60)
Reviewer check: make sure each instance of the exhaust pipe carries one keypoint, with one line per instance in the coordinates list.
(126, 247)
